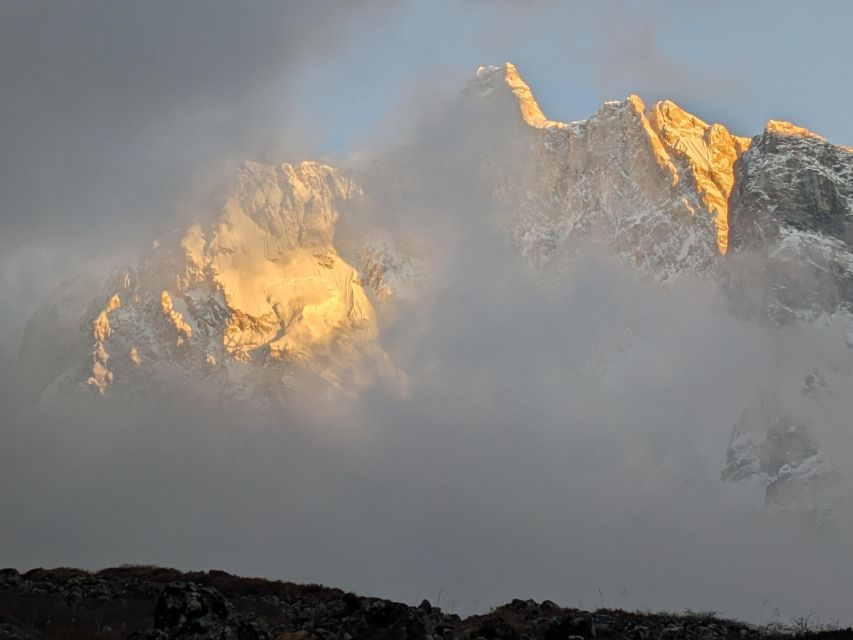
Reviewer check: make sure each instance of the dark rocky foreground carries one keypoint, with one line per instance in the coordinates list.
(152, 603)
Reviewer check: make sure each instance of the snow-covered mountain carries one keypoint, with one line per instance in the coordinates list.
(652, 182)
(767, 219)
(246, 304)
(793, 206)
(292, 280)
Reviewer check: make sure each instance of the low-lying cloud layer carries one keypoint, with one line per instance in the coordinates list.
(566, 448)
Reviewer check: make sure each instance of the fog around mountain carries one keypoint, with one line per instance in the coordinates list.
(556, 437)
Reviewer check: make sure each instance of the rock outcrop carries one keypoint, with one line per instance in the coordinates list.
(148, 603)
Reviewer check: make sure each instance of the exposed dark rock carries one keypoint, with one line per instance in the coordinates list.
(792, 208)
(14, 630)
(567, 626)
(149, 603)
(187, 609)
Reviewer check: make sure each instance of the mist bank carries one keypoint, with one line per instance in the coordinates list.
(562, 446)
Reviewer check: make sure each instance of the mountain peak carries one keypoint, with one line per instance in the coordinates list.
(686, 146)
(789, 129)
(490, 78)
(675, 137)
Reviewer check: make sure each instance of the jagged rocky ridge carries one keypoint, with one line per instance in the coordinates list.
(157, 604)
(245, 304)
(289, 285)
(792, 205)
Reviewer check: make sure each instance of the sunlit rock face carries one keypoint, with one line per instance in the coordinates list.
(248, 304)
(651, 182)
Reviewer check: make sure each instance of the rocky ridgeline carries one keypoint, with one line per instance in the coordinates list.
(148, 603)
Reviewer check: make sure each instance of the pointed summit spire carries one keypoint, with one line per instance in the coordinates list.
(507, 74)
